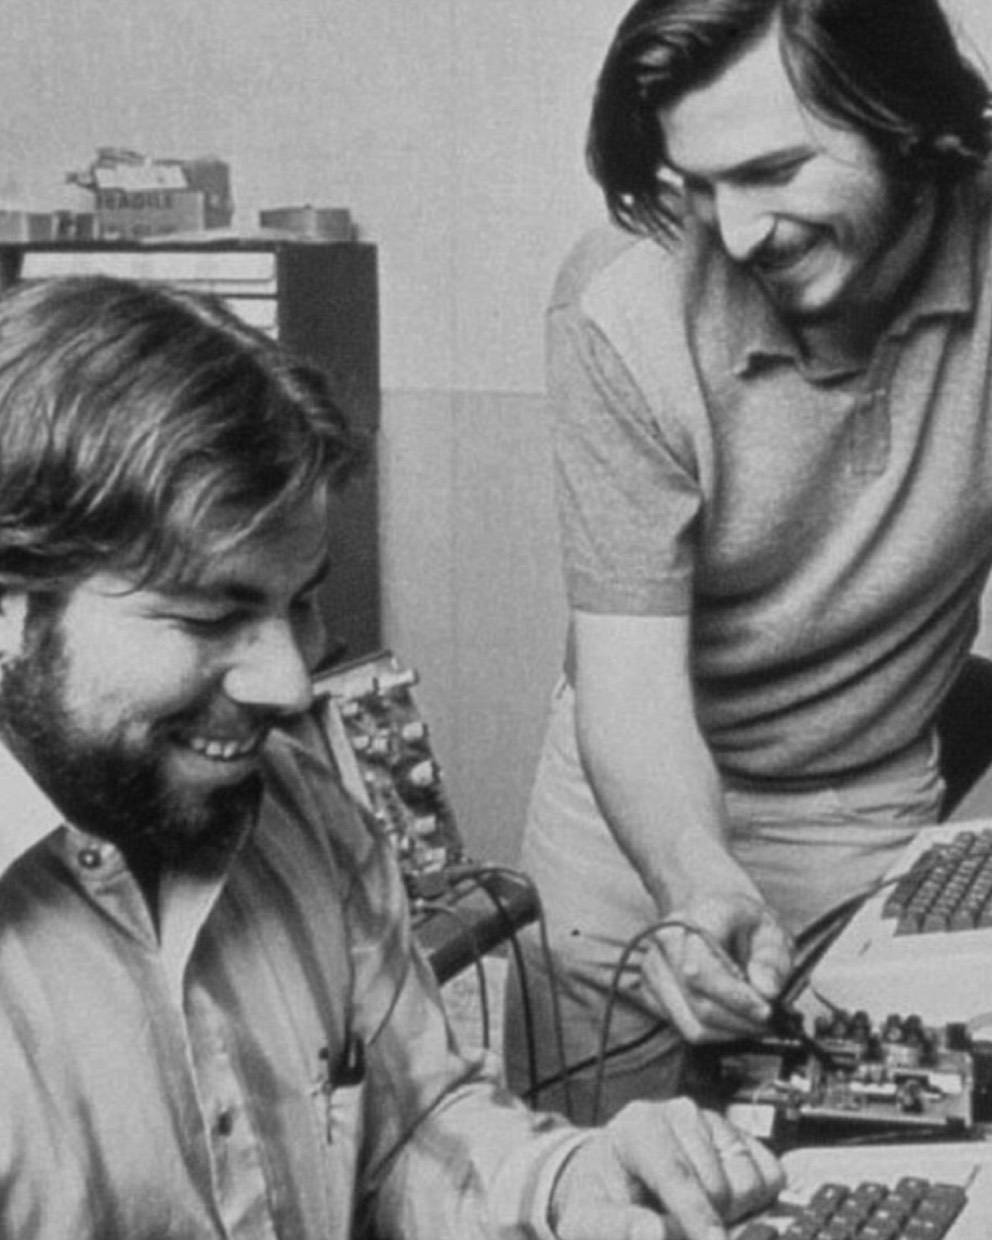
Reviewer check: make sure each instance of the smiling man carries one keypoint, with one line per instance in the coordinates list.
(213, 1021)
(116, 695)
(807, 207)
(774, 475)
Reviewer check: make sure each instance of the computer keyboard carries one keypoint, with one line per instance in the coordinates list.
(913, 1207)
(948, 887)
(890, 1192)
(908, 948)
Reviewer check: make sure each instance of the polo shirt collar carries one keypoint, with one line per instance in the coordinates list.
(949, 286)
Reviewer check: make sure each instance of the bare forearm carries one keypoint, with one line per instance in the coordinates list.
(646, 757)
(713, 970)
(661, 794)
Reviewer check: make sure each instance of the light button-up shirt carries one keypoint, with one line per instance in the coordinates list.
(205, 1078)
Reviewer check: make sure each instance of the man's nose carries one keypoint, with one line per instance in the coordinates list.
(743, 221)
(271, 671)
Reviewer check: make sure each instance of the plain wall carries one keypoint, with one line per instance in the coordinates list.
(453, 131)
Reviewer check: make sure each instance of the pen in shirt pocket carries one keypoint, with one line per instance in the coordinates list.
(347, 1073)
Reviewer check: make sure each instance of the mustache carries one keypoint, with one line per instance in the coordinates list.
(774, 252)
(237, 723)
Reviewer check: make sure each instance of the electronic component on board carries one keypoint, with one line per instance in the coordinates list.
(382, 748)
(849, 1078)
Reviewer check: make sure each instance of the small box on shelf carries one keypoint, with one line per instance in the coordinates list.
(25, 226)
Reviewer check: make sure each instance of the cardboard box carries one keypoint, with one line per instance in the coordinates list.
(26, 226)
(136, 197)
(129, 215)
(317, 223)
(212, 178)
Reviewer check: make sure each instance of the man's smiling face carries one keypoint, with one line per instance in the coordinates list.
(141, 710)
(804, 205)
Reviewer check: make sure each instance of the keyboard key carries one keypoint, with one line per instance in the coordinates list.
(802, 1229)
(922, 1229)
(915, 1209)
(758, 1231)
(948, 888)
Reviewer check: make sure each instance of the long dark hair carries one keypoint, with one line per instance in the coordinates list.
(891, 69)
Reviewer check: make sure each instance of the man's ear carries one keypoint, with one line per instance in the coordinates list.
(13, 618)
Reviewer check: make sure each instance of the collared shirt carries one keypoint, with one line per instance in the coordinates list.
(828, 527)
(273, 1061)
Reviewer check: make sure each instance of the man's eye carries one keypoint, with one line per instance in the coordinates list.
(697, 189)
(777, 174)
(304, 606)
(210, 625)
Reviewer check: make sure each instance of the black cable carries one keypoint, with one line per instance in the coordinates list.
(834, 1008)
(833, 919)
(563, 1077)
(436, 906)
(813, 940)
(842, 913)
(908, 1135)
(665, 923)
(622, 1048)
(454, 875)
(797, 975)
(827, 920)
(617, 1049)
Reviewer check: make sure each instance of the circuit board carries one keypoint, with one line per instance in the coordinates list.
(382, 748)
(899, 1078)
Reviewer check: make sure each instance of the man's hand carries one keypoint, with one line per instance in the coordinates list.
(714, 971)
(662, 1171)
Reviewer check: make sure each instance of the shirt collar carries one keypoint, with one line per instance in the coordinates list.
(949, 286)
(28, 815)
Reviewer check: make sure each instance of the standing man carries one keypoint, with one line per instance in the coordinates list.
(771, 392)
(212, 1020)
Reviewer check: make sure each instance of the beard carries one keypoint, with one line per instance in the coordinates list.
(105, 786)
(871, 251)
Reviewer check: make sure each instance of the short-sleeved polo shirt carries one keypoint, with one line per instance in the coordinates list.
(828, 528)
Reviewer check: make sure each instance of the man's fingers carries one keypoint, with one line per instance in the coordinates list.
(670, 1159)
(693, 1133)
(701, 991)
(695, 1022)
(658, 1148)
(710, 974)
(770, 958)
(753, 1173)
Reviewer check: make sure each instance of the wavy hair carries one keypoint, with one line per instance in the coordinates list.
(135, 418)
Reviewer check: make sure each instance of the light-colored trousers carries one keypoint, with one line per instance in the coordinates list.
(806, 852)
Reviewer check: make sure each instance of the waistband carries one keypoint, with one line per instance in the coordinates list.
(918, 757)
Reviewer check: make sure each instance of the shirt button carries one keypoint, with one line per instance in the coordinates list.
(225, 1124)
(90, 859)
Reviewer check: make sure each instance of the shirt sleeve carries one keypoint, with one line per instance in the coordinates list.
(626, 494)
(449, 1152)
